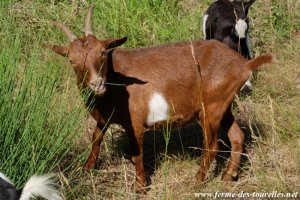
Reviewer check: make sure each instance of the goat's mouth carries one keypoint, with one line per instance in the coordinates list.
(98, 88)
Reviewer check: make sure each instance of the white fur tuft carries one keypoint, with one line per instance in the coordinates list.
(241, 28)
(42, 186)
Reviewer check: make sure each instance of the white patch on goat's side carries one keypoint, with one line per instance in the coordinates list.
(204, 25)
(248, 45)
(158, 109)
(5, 178)
(241, 28)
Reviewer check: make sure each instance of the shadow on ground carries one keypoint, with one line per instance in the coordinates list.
(185, 142)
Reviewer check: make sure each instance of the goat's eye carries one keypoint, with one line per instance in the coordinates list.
(72, 62)
(102, 53)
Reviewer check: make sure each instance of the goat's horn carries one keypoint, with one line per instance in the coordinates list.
(88, 22)
(66, 30)
(236, 17)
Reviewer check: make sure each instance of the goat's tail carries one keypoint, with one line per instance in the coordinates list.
(40, 186)
(255, 63)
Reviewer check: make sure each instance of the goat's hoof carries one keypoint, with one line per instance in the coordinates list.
(89, 165)
(200, 176)
(141, 190)
(140, 186)
(230, 177)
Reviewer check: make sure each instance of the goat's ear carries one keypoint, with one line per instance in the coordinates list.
(247, 5)
(61, 50)
(112, 43)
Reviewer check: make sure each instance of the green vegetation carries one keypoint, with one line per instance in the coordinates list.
(44, 126)
(36, 131)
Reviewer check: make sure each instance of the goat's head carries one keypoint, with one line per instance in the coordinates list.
(245, 5)
(240, 12)
(87, 55)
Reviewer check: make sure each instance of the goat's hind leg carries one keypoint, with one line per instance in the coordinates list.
(210, 149)
(97, 139)
(236, 137)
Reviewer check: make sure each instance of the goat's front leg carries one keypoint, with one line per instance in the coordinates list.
(136, 138)
(210, 149)
(236, 137)
(97, 139)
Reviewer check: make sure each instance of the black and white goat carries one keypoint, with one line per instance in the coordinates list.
(227, 22)
(36, 186)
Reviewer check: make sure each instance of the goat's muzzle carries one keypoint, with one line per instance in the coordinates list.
(98, 86)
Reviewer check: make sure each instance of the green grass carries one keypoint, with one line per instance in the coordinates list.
(43, 122)
(36, 131)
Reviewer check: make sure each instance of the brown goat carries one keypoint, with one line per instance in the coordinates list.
(157, 85)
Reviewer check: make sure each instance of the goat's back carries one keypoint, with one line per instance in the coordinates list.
(172, 76)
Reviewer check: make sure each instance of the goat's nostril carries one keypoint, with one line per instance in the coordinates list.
(97, 83)
(94, 84)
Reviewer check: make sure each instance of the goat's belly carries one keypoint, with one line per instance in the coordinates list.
(174, 121)
(162, 108)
